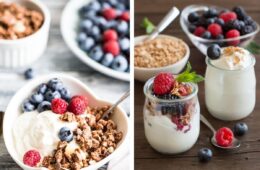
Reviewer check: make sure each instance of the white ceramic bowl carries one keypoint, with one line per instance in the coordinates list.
(143, 74)
(69, 25)
(24, 51)
(76, 87)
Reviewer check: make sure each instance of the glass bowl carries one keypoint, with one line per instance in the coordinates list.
(202, 43)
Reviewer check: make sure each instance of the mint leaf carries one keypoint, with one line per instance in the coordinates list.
(253, 47)
(188, 76)
(147, 25)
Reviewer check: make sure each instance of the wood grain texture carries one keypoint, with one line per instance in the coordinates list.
(247, 156)
(57, 58)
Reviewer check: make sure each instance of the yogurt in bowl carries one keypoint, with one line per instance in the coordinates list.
(54, 134)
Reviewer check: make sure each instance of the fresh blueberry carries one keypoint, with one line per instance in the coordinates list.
(120, 7)
(247, 29)
(95, 33)
(210, 13)
(241, 14)
(206, 35)
(105, 5)
(213, 51)
(124, 44)
(193, 17)
(42, 88)
(240, 129)
(220, 37)
(122, 27)
(36, 98)
(29, 74)
(220, 21)
(81, 37)
(120, 63)
(112, 2)
(201, 22)
(89, 15)
(94, 5)
(233, 24)
(191, 28)
(107, 60)
(43, 106)
(248, 20)
(205, 155)
(88, 44)
(65, 94)
(96, 53)
(28, 106)
(55, 84)
(102, 23)
(167, 96)
(86, 25)
(112, 24)
(173, 109)
(65, 134)
(50, 95)
(210, 21)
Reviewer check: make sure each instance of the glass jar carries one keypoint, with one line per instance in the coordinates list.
(171, 125)
(230, 94)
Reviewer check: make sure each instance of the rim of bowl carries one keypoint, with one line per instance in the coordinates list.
(186, 56)
(47, 18)
(193, 8)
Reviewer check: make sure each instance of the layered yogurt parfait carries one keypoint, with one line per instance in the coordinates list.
(230, 82)
(172, 111)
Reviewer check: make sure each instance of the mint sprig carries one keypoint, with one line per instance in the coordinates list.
(253, 47)
(148, 25)
(188, 76)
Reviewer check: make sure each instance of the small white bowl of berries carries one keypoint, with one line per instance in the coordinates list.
(206, 25)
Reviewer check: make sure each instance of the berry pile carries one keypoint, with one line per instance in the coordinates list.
(213, 24)
(104, 32)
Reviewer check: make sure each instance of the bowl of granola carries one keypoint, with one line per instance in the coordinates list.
(162, 54)
(55, 122)
(24, 29)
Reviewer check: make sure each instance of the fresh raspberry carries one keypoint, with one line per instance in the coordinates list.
(224, 136)
(77, 105)
(110, 34)
(59, 106)
(112, 47)
(215, 29)
(199, 31)
(109, 13)
(125, 16)
(163, 83)
(233, 34)
(84, 98)
(228, 16)
(31, 158)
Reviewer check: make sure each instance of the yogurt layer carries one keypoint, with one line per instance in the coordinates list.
(233, 58)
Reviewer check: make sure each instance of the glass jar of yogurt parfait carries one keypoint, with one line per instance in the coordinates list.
(172, 120)
(230, 83)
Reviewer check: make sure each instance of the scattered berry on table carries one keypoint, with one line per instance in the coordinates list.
(163, 83)
(59, 106)
(29, 74)
(224, 136)
(205, 155)
(65, 134)
(112, 47)
(31, 158)
(120, 63)
(240, 129)
(43, 106)
(77, 105)
(214, 51)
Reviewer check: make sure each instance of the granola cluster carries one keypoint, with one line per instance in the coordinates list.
(95, 138)
(17, 21)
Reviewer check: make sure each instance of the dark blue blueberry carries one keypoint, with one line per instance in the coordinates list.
(120, 63)
(43, 106)
(28, 106)
(29, 74)
(173, 109)
(107, 60)
(213, 51)
(167, 96)
(120, 7)
(94, 5)
(42, 88)
(89, 15)
(233, 24)
(201, 22)
(112, 24)
(95, 33)
(105, 5)
(220, 37)
(55, 84)
(65, 134)
(241, 14)
(240, 129)
(205, 155)
(36, 98)
(220, 21)
(206, 35)
(102, 23)
(96, 53)
(112, 2)
(247, 29)
(124, 44)
(210, 13)
(122, 27)
(50, 95)
(191, 28)
(88, 44)
(65, 94)
(86, 25)
(210, 21)
(248, 20)
(193, 17)
(81, 37)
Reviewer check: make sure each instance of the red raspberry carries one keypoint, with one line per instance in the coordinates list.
(233, 34)
(199, 31)
(109, 13)
(31, 158)
(112, 47)
(59, 106)
(224, 136)
(163, 83)
(110, 35)
(228, 16)
(77, 105)
(84, 98)
(125, 16)
(215, 29)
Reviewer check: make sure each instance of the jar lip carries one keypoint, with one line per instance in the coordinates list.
(147, 93)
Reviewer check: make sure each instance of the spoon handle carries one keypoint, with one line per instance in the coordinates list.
(206, 122)
(171, 15)
(126, 94)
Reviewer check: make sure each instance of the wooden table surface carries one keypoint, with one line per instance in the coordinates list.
(247, 157)
(57, 58)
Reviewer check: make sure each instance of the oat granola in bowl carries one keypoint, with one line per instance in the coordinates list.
(164, 53)
(55, 122)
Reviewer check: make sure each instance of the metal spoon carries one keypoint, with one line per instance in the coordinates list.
(122, 98)
(235, 143)
(171, 15)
